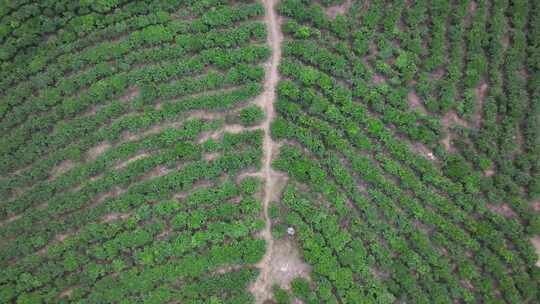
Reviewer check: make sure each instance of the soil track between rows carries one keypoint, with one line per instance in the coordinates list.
(261, 288)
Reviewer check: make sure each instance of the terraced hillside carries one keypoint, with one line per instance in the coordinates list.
(128, 127)
(293, 151)
(410, 137)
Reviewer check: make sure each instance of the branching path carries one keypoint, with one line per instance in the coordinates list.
(262, 286)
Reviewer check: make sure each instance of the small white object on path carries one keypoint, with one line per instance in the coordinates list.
(290, 231)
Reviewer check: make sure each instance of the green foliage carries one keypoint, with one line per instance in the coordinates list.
(281, 295)
(408, 133)
(103, 6)
(400, 130)
(109, 184)
(300, 288)
(273, 210)
(251, 115)
(156, 34)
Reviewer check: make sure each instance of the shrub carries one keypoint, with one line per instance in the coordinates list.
(251, 115)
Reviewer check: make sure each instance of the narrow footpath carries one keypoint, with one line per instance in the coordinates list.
(262, 287)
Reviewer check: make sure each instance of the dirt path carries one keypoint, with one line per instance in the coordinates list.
(261, 288)
(536, 243)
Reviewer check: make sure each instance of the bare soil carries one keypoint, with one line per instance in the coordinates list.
(536, 243)
(502, 209)
(203, 115)
(204, 137)
(413, 99)
(131, 94)
(10, 219)
(489, 172)
(446, 142)
(111, 217)
(62, 168)
(63, 236)
(424, 151)
(66, 293)
(232, 128)
(60, 237)
(481, 93)
(96, 151)
(472, 7)
(450, 119)
(165, 233)
(228, 268)
(377, 79)
(481, 90)
(235, 128)
(156, 172)
(130, 160)
(415, 102)
(100, 198)
(211, 156)
(505, 41)
(284, 265)
(437, 74)
(129, 136)
(471, 11)
(243, 175)
(340, 9)
(536, 206)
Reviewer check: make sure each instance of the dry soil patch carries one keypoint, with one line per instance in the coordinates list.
(536, 243)
(96, 151)
(415, 102)
(481, 93)
(111, 217)
(285, 264)
(130, 160)
(502, 209)
(340, 9)
(449, 120)
(62, 168)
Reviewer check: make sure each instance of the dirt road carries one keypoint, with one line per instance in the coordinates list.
(261, 288)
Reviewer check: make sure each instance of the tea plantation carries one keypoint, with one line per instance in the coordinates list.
(411, 143)
(261, 151)
(119, 183)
